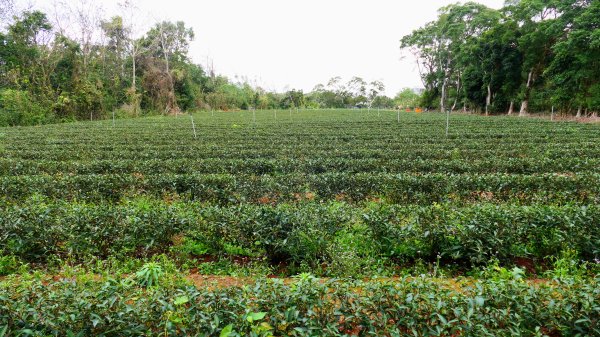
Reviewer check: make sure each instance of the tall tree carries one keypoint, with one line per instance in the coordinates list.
(374, 89)
(23, 48)
(134, 47)
(537, 34)
(574, 72)
(114, 57)
(170, 41)
(439, 46)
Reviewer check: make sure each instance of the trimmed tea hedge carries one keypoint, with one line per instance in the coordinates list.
(301, 233)
(307, 307)
(233, 189)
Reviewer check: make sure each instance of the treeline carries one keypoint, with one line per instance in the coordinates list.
(529, 56)
(92, 67)
(52, 74)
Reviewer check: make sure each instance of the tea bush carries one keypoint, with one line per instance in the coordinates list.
(333, 193)
(306, 307)
(305, 233)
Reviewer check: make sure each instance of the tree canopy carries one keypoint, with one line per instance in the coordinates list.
(535, 54)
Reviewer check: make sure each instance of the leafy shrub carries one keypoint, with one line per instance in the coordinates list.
(19, 108)
(338, 235)
(149, 275)
(192, 247)
(306, 307)
(227, 189)
(9, 265)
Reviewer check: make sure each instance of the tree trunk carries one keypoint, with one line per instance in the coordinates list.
(579, 112)
(134, 87)
(133, 73)
(171, 99)
(524, 107)
(171, 102)
(511, 108)
(443, 98)
(488, 100)
(525, 103)
(457, 93)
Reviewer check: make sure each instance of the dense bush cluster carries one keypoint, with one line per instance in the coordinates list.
(307, 307)
(393, 188)
(306, 233)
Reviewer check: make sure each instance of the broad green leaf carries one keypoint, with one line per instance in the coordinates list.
(181, 300)
(228, 330)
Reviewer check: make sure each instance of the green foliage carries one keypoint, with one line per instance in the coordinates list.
(9, 265)
(566, 265)
(193, 247)
(18, 107)
(356, 93)
(228, 267)
(348, 240)
(72, 78)
(529, 55)
(307, 306)
(149, 276)
(226, 189)
(407, 98)
(227, 331)
(354, 205)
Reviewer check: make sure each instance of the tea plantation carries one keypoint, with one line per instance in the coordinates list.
(330, 223)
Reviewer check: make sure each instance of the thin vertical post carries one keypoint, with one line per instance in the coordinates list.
(193, 125)
(113, 115)
(275, 113)
(447, 122)
(552, 114)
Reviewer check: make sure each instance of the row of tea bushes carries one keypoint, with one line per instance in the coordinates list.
(307, 307)
(233, 189)
(384, 150)
(273, 166)
(304, 233)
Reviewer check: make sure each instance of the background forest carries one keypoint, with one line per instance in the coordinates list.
(530, 56)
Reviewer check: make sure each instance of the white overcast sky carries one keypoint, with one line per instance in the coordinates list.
(285, 44)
